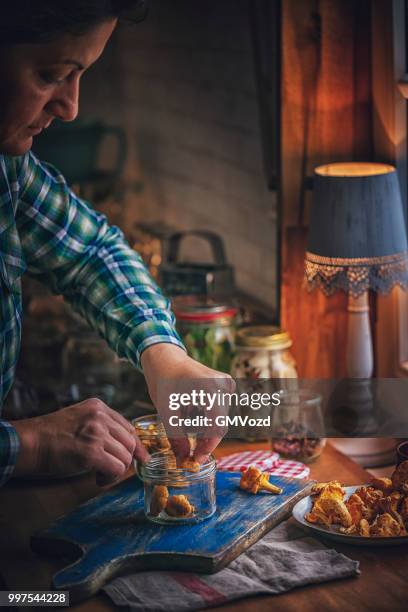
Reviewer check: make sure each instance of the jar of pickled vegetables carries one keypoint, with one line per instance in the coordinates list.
(262, 351)
(208, 330)
(174, 495)
(262, 363)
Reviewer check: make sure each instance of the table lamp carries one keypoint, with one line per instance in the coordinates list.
(357, 241)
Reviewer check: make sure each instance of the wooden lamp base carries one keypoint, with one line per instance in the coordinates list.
(369, 452)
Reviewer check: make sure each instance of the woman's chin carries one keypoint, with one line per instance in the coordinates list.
(17, 146)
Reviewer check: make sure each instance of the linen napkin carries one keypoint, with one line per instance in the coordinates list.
(283, 559)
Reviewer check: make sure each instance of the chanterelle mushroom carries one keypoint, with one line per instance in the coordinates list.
(159, 498)
(190, 465)
(253, 480)
(179, 506)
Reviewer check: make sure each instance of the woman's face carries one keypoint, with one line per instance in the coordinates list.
(40, 82)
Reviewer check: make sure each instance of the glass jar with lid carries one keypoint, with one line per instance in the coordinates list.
(262, 351)
(207, 328)
(175, 495)
(262, 363)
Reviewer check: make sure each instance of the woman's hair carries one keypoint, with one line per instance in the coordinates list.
(41, 21)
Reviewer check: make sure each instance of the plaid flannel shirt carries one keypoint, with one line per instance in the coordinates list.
(57, 238)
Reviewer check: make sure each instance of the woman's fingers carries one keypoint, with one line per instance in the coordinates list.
(180, 447)
(115, 416)
(124, 432)
(119, 441)
(204, 447)
(109, 465)
(85, 436)
(116, 459)
(122, 435)
(140, 453)
(130, 441)
(118, 451)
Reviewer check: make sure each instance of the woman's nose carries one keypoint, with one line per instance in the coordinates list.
(64, 104)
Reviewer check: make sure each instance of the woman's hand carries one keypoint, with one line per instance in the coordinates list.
(167, 363)
(85, 436)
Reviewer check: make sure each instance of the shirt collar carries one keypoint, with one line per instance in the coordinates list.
(12, 264)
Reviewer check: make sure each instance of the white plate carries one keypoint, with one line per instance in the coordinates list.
(305, 505)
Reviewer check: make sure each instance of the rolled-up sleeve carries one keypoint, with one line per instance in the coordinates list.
(9, 446)
(72, 249)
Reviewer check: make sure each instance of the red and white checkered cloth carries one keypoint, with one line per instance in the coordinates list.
(240, 461)
(289, 469)
(265, 461)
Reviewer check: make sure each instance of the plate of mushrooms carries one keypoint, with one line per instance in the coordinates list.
(371, 514)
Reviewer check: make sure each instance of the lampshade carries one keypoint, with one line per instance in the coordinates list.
(357, 237)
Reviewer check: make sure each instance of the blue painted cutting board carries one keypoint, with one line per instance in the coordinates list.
(112, 536)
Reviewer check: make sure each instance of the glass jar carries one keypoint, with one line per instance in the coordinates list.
(262, 352)
(174, 496)
(208, 330)
(151, 433)
(262, 363)
(298, 426)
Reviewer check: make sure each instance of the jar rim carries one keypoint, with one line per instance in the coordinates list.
(156, 468)
(201, 316)
(263, 336)
(146, 420)
(200, 309)
(143, 422)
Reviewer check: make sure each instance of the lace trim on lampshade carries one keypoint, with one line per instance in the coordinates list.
(356, 275)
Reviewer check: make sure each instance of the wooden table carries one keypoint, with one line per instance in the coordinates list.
(27, 506)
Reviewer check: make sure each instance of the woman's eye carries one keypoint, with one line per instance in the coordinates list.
(52, 79)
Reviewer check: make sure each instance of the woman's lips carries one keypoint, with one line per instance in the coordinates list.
(35, 129)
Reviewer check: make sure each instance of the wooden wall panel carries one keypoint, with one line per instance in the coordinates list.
(390, 144)
(324, 118)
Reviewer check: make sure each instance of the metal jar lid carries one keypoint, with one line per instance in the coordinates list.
(263, 336)
(198, 310)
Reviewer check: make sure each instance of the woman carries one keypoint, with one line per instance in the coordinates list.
(46, 231)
